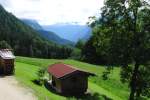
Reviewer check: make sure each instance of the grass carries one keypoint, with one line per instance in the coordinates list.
(26, 69)
(26, 73)
(102, 91)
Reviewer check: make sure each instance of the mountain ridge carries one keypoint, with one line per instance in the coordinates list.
(47, 34)
(72, 32)
(33, 23)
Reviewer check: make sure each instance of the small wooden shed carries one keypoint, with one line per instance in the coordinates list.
(68, 80)
(6, 62)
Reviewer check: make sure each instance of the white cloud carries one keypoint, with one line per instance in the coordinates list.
(54, 11)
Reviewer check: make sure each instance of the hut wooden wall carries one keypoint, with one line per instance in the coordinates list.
(2, 66)
(77, 83)
(57, 84)
(6, 66)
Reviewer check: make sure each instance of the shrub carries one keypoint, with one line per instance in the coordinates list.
(41, 74)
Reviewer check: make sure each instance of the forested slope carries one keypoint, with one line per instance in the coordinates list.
(26, 41)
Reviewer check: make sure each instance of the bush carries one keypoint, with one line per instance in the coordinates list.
(106, 73)
(41, 74)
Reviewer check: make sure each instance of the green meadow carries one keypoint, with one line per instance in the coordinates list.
(26, 71)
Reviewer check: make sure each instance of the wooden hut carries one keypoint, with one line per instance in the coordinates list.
(67, 79)
(6, 62)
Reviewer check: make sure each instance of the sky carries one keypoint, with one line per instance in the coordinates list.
(48, 12)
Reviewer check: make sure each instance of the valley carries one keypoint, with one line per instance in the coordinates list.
(74, 50)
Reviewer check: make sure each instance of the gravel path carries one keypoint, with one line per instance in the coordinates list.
(11, 90)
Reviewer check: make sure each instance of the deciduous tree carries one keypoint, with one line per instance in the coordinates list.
(124, 37)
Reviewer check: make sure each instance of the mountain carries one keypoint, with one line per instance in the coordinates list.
(72, 32)
(55, 38)
(33, 23)
(26, 41)
(47, 34)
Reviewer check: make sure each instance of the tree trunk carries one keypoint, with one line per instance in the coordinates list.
(133, 83)
(132, 94)
(138, 93)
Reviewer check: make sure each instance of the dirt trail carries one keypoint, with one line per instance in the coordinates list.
(11, 90)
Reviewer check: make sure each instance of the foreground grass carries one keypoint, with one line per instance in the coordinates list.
(26, 69)
(26, 73)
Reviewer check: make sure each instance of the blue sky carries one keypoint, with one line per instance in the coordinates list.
(48, 12)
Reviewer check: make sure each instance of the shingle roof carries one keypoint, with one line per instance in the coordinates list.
(60, 70)
(6, 54)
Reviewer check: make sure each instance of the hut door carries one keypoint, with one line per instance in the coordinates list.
(8, 66)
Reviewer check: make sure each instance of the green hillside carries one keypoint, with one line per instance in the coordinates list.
(26, 72)
(25, 41)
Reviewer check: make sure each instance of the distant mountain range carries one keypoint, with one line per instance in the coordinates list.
(72, 32)
(61, 33)
(55, 38)
(47, 34)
